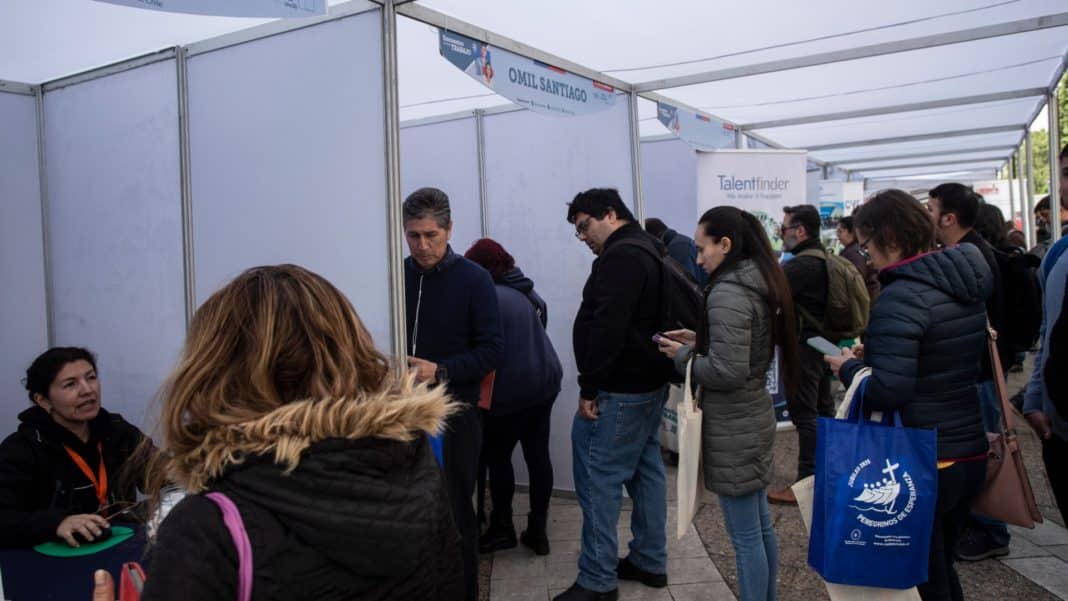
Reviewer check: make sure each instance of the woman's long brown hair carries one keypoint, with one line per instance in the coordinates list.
(272, 336)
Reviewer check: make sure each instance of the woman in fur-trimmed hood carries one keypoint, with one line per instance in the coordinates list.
(282, 403)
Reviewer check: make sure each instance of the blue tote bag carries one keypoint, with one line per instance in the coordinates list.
(874, 501)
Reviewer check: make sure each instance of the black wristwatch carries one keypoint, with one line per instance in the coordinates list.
(441, 374)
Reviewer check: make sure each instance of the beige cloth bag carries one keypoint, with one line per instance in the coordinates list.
(689, 480)
(804, 489)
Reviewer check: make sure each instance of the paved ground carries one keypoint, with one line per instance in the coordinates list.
(701, 565)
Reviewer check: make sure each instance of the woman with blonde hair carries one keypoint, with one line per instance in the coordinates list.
(282, 404)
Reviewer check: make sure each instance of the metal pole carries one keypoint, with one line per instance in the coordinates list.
(46, 238)
(186, 181)
(1029, 212)
(393, 187)
(1054, 165)
(1020, 187)
(483, 198)
(825, 170)
(636, 159)
(1011, 167)
(739, 139)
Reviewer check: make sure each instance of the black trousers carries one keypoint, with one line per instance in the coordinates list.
(529, 428)
(958, 486)
(812, 400)
(460, 448)
(1054, 455)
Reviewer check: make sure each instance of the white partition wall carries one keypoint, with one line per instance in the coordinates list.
(23, 319)
(669, 176)
(445, 155)
(288, 160)
(115, 228)
(535, 165)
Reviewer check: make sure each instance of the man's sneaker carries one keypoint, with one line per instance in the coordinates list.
(578, 593)
(782, 497)
(625, 570)
(975, 545)
(497, 538)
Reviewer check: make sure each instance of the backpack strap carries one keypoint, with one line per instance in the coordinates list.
(232, 519)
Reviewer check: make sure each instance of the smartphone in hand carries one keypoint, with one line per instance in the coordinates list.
(662, 336)
(824, 346)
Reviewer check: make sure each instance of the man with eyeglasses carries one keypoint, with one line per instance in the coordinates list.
(807, 274)
(622, 389)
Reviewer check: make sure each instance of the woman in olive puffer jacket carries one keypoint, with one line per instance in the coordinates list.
(748, 311)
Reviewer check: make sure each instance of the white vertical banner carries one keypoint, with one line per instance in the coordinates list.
(761, 182)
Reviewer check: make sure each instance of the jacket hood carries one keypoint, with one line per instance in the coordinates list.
(515, 278)
(401, 413)
(746, 274)
(447, 261)
(959, 271)
(38, 426)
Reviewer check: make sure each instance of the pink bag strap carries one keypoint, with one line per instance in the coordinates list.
(232, 519)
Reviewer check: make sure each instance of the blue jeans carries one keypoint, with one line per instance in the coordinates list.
(620, 448)
(990, 404)
(755, 548)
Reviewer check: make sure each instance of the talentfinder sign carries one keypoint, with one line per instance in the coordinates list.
(762, 181)
(232, 8)
(702, 131)
(529, 83)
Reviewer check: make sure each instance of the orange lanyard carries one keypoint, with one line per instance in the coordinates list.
(100, 483)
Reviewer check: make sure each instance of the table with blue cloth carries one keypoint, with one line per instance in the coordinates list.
(29, 576)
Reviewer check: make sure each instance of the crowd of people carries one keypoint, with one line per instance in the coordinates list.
(282, 406)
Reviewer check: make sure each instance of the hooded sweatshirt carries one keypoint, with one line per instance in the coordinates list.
(364, 515)
(924, 340)
(40, 484)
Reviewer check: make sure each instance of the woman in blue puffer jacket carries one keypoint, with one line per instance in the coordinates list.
(924, 342)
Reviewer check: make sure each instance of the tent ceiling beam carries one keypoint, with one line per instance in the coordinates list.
(850, 54)
(16, 87)
(885, 167)
(918, 137)
(900, 108)
(852, 162)
(431, 17)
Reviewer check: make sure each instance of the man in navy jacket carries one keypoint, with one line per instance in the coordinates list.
(454, 337)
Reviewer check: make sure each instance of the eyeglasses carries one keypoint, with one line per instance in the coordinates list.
(785, 228)
(863, 249)
(582, 226)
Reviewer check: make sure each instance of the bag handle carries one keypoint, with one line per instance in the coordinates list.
(1007, 420)
(688, 396)
(856, 409)
(232, 519)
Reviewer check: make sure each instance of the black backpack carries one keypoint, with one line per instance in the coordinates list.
(1023, 299)
(681, 299)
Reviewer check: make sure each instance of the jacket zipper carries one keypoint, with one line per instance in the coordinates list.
(418, 305)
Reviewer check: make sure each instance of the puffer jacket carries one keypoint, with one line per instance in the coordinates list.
(738, 426)
(924, 340)
(363, 516)
(40, 484)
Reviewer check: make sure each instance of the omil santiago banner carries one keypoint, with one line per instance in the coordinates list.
(529, 83)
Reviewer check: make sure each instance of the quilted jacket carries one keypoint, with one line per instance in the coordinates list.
(924, 343)
(738, 425)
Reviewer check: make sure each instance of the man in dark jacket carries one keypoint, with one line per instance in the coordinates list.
(808, 283)
(454, 337)
(679, 247)
(954, 209)
(623, 387)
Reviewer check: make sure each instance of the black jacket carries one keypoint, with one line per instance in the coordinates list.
(358, 519)
(995, 305)
(619, 314)
(40, 483)
(808, 284)
(923, 343)
(1056, 360)
(529, 374)
(453, 321)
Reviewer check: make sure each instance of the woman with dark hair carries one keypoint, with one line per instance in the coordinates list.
(524, 389)
(924, 341)
(748, 313)
(71, 461)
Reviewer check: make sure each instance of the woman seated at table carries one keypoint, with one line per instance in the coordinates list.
(69, 463)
